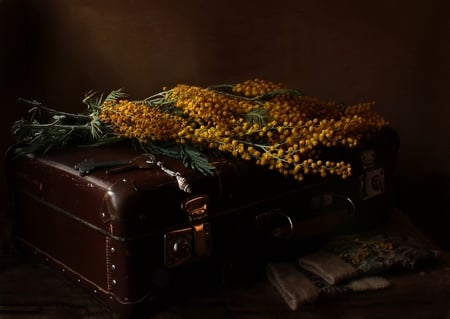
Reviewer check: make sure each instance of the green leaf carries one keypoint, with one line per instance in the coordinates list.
(258, 116)
(274, 93)
(196, 160)
(94, 101)
(115, 95)
(190, 156)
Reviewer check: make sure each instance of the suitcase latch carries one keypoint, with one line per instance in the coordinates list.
(191, 243)
(196, 208)
(371, 182)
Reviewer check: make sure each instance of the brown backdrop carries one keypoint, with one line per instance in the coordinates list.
(394, 52)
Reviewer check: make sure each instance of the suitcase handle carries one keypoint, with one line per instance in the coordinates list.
(280, 225)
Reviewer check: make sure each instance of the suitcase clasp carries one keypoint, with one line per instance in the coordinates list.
(196, 207)
(188, 244)
(371, 181)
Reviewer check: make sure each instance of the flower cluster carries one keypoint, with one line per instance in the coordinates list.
(256, 87)
(355, 250)
(255, 120)
(138, 120)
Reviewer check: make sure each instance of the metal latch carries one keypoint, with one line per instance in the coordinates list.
(371, 182)
(187, 244)
(196, 207)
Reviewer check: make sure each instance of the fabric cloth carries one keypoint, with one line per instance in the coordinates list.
(294, 286)
(354, 255)
(297, 287)
(347, 264)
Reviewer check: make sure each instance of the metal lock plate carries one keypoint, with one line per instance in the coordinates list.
(371, 183)
(178, 247)
(187, 244)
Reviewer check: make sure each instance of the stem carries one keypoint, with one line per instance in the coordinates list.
(252, 99)
(52, 111)
(53, 124)
(258, 99)
(155, 95)
(279, 92)
(218, 86)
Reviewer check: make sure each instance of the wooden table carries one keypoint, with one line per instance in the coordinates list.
(29, 290)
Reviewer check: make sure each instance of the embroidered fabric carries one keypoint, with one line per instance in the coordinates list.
(348, 263)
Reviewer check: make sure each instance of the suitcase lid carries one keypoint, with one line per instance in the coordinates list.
(138, 200)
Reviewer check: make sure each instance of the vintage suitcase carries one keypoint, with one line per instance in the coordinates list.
(138, 238)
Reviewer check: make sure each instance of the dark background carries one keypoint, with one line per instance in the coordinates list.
(396, 53)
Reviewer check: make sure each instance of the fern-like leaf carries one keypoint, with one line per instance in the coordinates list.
(91, 100)
(272, 94)
(195, 159)
(94, 101)
(115, 95)
(190, 156)
(258, 116)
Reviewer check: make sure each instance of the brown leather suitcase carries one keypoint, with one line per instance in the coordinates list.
(138, 238)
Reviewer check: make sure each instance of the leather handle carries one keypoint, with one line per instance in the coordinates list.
(283, 226)
(313, 227)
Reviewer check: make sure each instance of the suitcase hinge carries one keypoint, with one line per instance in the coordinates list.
(191, 243)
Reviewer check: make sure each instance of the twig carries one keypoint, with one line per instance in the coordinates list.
(52, 111)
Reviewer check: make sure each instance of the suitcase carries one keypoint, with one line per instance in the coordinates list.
(140, 239)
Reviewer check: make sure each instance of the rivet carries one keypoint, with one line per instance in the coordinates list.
(113, 249)
(95, 291)
(113, 267)
(114, 282)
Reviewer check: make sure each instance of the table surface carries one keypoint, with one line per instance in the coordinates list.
(29, 290)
